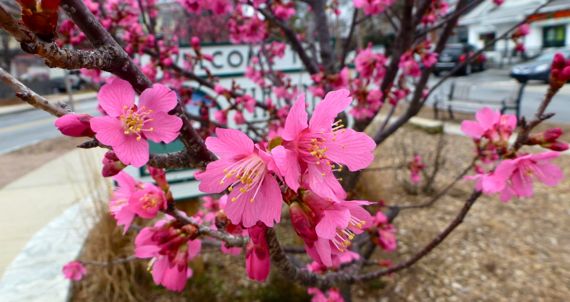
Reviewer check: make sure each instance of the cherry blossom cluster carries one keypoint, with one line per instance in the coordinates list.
(373, 7)
(559, 71)
(296, 167)
(437, 10)
(502, 168)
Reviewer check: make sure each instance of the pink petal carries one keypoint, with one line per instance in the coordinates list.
(296, 120)
(327, 226)
(522, 184)
(165, 127)
(267, 204)
(194, 248)
(323, 247)
(159, 269)
(472, 129)
(125, 217)
(351, 148)
(133, 152)
(108, 130)
(487, 117)
(125, 181)
(497, 181)
(507, 194)
(144, 246)
(211, 178)
(326, 111)
(361, 214)
(549, 174)
(159, 98)
(257, 265)
(288, 166)
(322, 181)
(175, 279)
(229, 143)
(235, 207)
(115, 95)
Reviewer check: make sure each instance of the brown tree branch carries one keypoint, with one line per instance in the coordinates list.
(291, 36)
(229, 239)
(126, 69)
(428, 248)
(29, 96)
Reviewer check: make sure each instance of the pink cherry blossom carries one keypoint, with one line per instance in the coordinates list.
(386, 232)
(133, 198)
(284, 12)
(327, 227)
(370, 64)
(243, 169)
(373, 7)
(119, 203)
(490, 124)
(514, 177)
(311, 149)
(126, 127)
(171, 249)
(75, 125)
(409, 66)
(74, 270)
(147, 201)
(429, 59)
(332, 295)
(257, 260)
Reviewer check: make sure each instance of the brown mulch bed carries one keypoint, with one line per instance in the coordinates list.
(17, 163)
(516, 251)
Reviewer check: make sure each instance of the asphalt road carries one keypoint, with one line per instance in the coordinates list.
(21, 129)
(496, 85)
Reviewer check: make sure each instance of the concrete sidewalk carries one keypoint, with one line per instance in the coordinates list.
(31, 202)
(53, 99)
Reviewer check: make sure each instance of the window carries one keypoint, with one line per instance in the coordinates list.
(487, 39)
(554, 36)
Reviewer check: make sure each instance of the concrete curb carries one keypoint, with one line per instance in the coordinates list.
(35, 275)
(6, 110)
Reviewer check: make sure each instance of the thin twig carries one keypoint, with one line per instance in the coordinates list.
(29, 96)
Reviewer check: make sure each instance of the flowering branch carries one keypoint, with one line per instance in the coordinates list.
(230, 240)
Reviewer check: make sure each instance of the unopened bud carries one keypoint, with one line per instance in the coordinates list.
(302, 223)
(552, 134)
(195, 42)
(111, 164)
(556, 146)
(75, 125)
(159, 177)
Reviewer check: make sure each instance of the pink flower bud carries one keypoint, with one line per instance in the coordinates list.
(556, 146)
(159, 177)
(552, 134)
(302, 223)
(239, 118)
(74, 271)
(75, 125)
(195, 42)
(111, 164)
